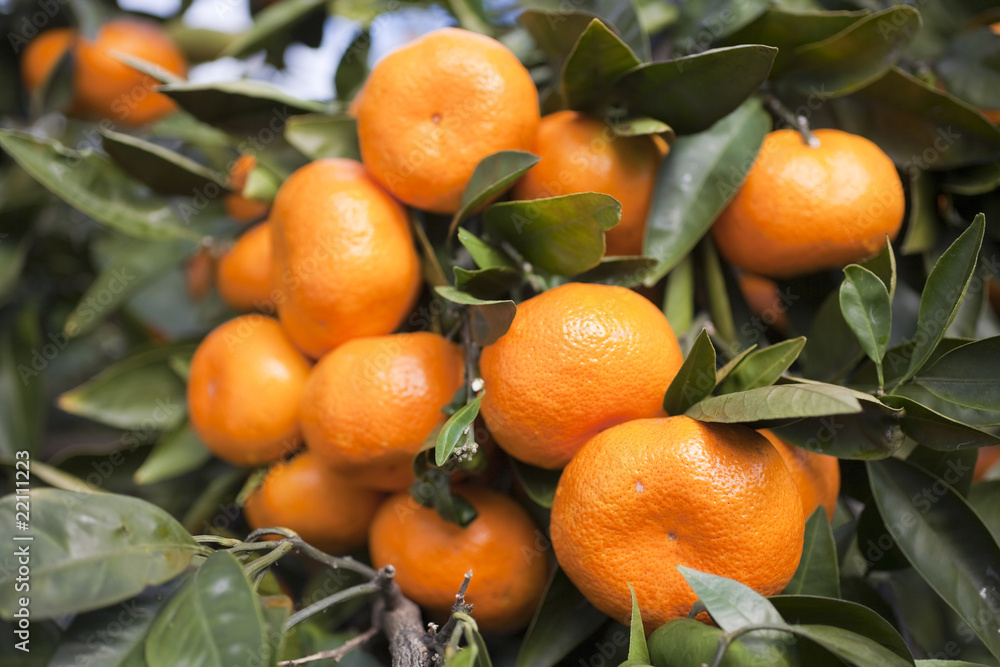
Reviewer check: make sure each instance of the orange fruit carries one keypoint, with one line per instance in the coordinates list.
(502, 547)
(344, 264)
(765, 300)
(648, 495)
(110, 89)
(986, 458)
(244, 276)
(817, 476)
(577, 359)
(241, 208)
(244, 389)
(326, 509)
(370, 404)
(466, 97)
(581, 154)
(42, 55)
(803, 209)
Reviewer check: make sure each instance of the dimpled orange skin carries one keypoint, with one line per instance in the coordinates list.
(42, 54)
(326, 509)
(238, 207)
(817, 476)
(370, 404)
(110, 89)
(244, 390)
(577, 359)
(802, 209)
(344, 264)
(646, 496)
(581, 154)
(432, 109)
(244, 275)
(431, 556)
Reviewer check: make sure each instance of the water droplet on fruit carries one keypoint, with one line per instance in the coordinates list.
(672, 536)
(639, 488)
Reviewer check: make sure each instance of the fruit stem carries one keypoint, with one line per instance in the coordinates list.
(797, 121)
(264, 562)
(368, 588)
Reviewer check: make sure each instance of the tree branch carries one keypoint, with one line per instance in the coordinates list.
(399, 618)
(335, 654)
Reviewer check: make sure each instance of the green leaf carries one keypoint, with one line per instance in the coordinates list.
(702, 22)
(563, 235)
(831, 346)
(883, 265)
(539, 483)
(984, 497)
(685, 641)
(697, 181)
(857, 56)
(637, 126)
(490, 319)
(720, 306)
(91, 184)
(922, 225)
(621, 271)
(487, 283)
(561, 622)
(637, 649)
(319, 136)
(666, 91)
(91, 550)
(598, 58)
(943, 293)
(850, 616)
(160, 168)
(975, 180)
(23, 358)
(492, 176)
(970, 71)
(762, 368)
(732, 364)
(139, 392)
(12, 256)
(731, 604)
(872, 434)
(274, 21)
(457, 431)
(242, 107)
(352, 70)
(968, 375)
(945, 541)
(275, 610)
(788, 401)
(818, 572)
(933, 429)
(483, 254)
(958, 465)
(177, 453)
(867, 309)
(694, 380)
(555, 33)
(852, 648)
(678, 297)
(218, 615)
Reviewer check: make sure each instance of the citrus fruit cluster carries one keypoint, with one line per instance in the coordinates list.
(577, 382)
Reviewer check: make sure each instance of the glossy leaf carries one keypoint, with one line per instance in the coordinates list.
(692, 187)
(968, 375)
(272, 21)
(664, 90)
(720, 306)
(483, 254)
(178, 452)
(731, 604)
(487, 283)
(637, 649)
(539, 483)
(943, 293)
(457, 431)
(956, 467)
(218, 615)
(160, 168)
(867, 309)
(621, 271)
(852, 648)
(562, 235)
(883, 265)
(490, 319)
(923, 224)
(944, 540)
(90, 183)
(934, 430)
(790, 401)
(702, 22)
(555, 33)
(733, 364)
(91, 550)
(984, 498)
(678, 298)
(685, 641)
(831, 346)
(319, 136)
(818, 572)
(598, 58)
(561, 622)
(871, 434)
(694, 380)
(492, 176)
(762, 368)
(22, 391)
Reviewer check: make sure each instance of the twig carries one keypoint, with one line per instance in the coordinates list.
(335, 654)
(347, 594)
(399, 618)
(797, 121)
(443, 637)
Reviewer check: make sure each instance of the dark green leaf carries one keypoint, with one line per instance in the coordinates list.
(218, 615)
(922, 225)
(275, 20)
(666, 90)
(944, 540)
(867, 309)
(852, 648)
(702, 22)
(975, 180)
(90, 183)
(732, 364)
(694, 380)
(637, 649)
(789, 401)
(621, 271)
(538, 483)
(883, 265)
(139, 392)
(685, 641)
(556, 33)
(943, 293)
(762, 368)
(957, 465)
(731, 604)
(160, 168)
(91, 550)
(695, 184)
(968, 375)
(12, 256)
(483, 254)
(490, 319)
(970, 69)
(818, 573)
(984, 497)
(23, 358)
(872, 434)
(562, 235)
(831, 346)
(561, 622)
(493, 175)
(857, 56)
(319, 136)
(487, 283)
(933, 429)
(598, 58)
(678, 297)
(457, 431)
(275, 610)
(719, 304)
(177, 453)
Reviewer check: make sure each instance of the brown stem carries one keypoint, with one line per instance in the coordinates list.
(335, 654)
(399, 618)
